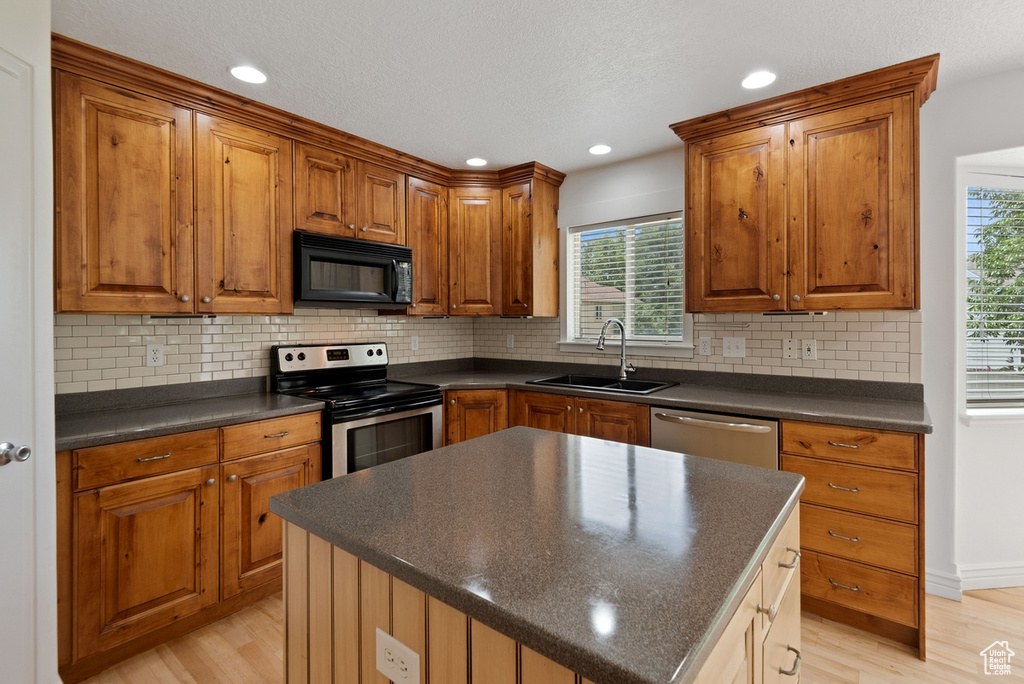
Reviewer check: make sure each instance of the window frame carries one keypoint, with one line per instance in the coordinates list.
(977, 176)
(566, 343)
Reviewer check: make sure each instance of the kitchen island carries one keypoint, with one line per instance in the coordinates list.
(528, 555)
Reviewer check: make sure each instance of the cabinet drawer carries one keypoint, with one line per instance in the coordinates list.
(876, 592)
(856, 537)
(269, 435)
(782, 562)
(852, 445)
(113, 463)
(782, 642)
(886, 493)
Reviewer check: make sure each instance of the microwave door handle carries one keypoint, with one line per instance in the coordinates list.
(394, 279)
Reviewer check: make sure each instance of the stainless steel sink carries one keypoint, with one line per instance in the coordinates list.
(604, 384)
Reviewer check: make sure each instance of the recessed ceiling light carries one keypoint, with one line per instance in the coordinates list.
(248, 74)
(600, 149)
(476, 161)
(758, 79)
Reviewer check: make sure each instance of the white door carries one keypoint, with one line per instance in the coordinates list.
(27, 515)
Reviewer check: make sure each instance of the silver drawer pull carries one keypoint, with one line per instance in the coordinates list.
(796, 663)
(154, 458)
(771, 610)
(279, 434)
(796, 559)
(837, 585)
(839, 536)
(844, 446)
(844, 489)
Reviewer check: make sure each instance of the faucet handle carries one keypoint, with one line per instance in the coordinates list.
(631, 368)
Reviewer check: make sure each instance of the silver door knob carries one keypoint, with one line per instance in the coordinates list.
(206, 300)
(796, 298)
(211, 482)
(186, 298)
(232, 478)
(9, 452)
(351, 226)
(364, 229)
(451, 401)
(581, 409)
(775, 297)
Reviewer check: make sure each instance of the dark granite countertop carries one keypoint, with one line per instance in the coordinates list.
(118, 416)
(839, 408)
(621, 563)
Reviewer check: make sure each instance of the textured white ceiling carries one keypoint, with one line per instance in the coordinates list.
(538, 80)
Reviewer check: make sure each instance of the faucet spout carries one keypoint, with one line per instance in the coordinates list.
(622, 333)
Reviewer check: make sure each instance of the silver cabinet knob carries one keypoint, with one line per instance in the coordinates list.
(581, 409)
(351, 226)
(776, 297)
(796, 298)
(524, 305)
(414, 305)
(568, 408)
(455, 306)
(232, 478)
(186, 298)
(9, 452)
(451, 401)
(363, 229)
(206, 300)
(211, 482)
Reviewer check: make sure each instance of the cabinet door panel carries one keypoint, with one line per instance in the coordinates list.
(251, 545)
(428, 238)
(124, 200)
(735, 222)
(243, 215)
(325, 191)
(474, 239)
(617, 421)
(517, 250)
(473, 413)
(381, 204)
(544, 411)
(851, 196)
(145, 556)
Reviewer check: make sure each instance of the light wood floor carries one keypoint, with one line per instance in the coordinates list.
(246, 647)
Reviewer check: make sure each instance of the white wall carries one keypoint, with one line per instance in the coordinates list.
(973, 473)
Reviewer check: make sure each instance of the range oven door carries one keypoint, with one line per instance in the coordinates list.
(365, 442)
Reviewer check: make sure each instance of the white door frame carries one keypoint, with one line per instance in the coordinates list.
(28, 595)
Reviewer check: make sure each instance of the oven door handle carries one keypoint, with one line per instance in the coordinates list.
(384, 410)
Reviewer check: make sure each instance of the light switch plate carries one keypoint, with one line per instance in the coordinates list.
(510, 341)
(790, 348)
(414, 343)
(395, 660)
(734, 347)
(810, 349)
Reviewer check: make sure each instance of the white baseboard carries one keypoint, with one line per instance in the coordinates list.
(943, 584)
(991, 576)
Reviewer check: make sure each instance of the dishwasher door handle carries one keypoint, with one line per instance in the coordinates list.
(735, 427)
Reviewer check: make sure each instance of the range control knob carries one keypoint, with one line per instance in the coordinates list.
(369, 352)
(380, 352)
(302, 356)
(288, 357)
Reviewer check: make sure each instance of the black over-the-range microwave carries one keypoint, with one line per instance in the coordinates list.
(339, 272)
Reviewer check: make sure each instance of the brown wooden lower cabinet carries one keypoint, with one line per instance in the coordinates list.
(474, 413)
(618, 421)
(157, 537)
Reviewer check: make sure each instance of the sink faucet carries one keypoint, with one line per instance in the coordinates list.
(622, 359)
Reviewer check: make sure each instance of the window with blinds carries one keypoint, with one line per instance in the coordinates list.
(995, 292)
(632, 271)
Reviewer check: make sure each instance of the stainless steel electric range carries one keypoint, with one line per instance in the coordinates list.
(368, 419)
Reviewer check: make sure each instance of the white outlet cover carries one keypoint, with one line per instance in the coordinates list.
(395, 660)
(414, 343)
(154, 355)
(704, 346)
(810, 349)
(790, 348)
(734, 347)
(510, 341)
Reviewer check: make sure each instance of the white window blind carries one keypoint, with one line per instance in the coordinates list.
(632, 271)
(995, 293)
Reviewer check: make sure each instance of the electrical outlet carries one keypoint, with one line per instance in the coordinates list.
(154, 354)
(414, 343)
(510, 341)
(790, 349)
(734, 347)
(810, 349)
(704, 346)
(395, 660)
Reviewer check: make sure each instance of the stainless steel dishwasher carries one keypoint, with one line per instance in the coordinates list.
(752, 441)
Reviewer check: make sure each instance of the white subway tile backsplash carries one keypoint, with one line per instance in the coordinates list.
(95, 352)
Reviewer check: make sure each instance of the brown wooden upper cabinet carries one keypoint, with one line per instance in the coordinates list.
(427, 207)
(338, 195)
(474, 251)
(152, 220)
(530, 249)
(808, 201)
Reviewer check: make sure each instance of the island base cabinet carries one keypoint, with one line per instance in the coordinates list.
(335, 602)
